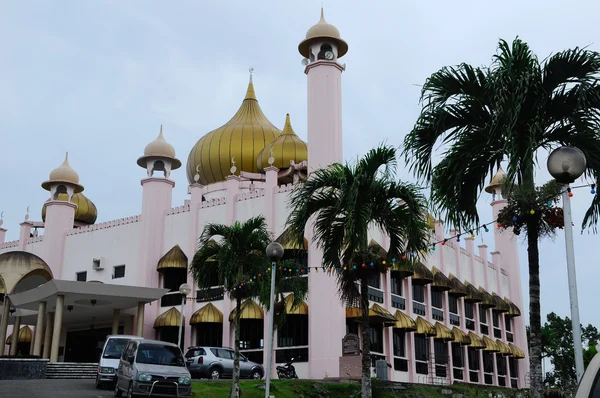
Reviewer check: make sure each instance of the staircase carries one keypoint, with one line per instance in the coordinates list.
(71, 370)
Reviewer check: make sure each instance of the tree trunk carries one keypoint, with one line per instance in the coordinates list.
(366, 340)
(535, 318)
(235, 387)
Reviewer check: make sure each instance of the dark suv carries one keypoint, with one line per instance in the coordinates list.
(217, 362)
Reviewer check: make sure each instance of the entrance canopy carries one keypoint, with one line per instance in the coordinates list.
(83, 300)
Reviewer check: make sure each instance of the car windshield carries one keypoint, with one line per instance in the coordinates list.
(114, 348)
(156, 354)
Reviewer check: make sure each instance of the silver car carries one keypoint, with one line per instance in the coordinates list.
(217, 362)
(152, 368)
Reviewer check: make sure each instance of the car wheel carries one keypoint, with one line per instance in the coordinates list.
(215, 373)
(257, 375)
(118, 392)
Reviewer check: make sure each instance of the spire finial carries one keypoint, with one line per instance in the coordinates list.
(322, 13)
(251, 70)
(161, 133)
(250, 92)
(66, 158)
(1, 218)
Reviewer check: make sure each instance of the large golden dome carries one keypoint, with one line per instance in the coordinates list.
(287, 147)
(241, 139)
(86, 212)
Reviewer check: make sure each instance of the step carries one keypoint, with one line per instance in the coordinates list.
(71, 370)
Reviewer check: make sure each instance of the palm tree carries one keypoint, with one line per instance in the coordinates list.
(235, 254)
(509, 111)
(344, 201)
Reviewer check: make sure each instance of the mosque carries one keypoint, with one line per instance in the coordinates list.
(69, 281)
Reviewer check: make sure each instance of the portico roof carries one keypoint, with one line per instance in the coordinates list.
(84, 299)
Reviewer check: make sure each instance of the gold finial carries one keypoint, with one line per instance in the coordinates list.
(250, 92)
(251, 70)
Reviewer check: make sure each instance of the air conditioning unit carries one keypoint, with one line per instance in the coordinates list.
(98, 263)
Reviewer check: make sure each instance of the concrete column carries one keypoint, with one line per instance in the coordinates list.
(140, 320)
(128, 324)
(4, 324)
(39, 328)
(48, 335)
(60, 301)
(14, 342)
(115, 324)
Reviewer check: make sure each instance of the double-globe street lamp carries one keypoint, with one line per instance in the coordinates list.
(566, 164)
(184, 289)
(274, 254)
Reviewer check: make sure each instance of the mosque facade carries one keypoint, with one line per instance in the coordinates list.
(68, 281)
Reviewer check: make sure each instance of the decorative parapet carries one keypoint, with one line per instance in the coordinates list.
(104, 225)
(213, 202)
(491, 265)
(257, 193)
(464, 251)
(478, 259)
(284, 188)
(503, 272)
(8, 245)
(178, 209)
(36, 239)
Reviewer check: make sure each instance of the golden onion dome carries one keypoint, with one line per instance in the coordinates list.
(238, 142)
(86, 212)
(286, 148)
(322, 30)
(63, 174)
(498, 180)
(160, 148)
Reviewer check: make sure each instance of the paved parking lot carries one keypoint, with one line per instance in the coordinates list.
(52, 389)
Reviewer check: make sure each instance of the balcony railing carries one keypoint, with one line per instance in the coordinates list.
(398, 302)
(419, 308)
(437, 314)
(375, 295)
(454, 320)
(169, 300)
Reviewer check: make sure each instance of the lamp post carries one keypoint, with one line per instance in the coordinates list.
(566, 164)
(274, 254)
(184, 289)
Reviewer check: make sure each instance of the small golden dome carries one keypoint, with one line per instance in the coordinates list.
(287, 147)
(86, 212)
(322, 30)
(498, 180)
(63, 173)
(160, 148)
(238, 141)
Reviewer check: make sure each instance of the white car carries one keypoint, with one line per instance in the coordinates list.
(589, 387)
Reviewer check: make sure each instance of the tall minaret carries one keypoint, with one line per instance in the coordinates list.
(321, 49)
(505, 242)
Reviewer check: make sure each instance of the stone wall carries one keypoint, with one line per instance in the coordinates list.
(22, 369)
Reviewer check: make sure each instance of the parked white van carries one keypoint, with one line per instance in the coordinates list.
(109, 359)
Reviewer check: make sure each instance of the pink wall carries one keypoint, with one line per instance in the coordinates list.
(59, 219)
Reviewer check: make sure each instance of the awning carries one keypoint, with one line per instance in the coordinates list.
(422, 275)
(488, 301)
(285, 240)
(442, 333)
(458, 288)
(473, 295)
(250, 310)
(490, 345)
(171, 317)
(504, 348)
(476, 341)
(441, 283)
(424, 327)
(174, 258)
(301, 309)
(404, 322)
(501, 305)
(460, 336)
(207, 314)
(513, 311)
(516, 351)
(402, 269)
(377, 314)
(25, 335)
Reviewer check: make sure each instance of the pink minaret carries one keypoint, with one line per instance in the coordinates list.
(505, 242)
(60, 214)
(321, 49)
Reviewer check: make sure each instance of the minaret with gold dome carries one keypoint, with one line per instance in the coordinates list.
(322, 48)
(238, 141)
(63, 184)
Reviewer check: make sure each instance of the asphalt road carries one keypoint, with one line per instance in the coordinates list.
(47, 388)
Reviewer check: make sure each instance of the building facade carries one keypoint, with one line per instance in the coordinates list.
(456, 318)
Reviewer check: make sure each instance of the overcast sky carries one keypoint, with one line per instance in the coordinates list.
(97, 78)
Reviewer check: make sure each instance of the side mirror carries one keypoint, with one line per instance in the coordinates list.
(244, 359)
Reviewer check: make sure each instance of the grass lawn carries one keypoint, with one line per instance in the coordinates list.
(313, 388)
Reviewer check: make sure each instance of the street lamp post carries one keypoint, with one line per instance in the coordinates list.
(566, 164)
(274, 254)
(184, 289)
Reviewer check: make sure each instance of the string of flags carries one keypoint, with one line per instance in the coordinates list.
(306, 269)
